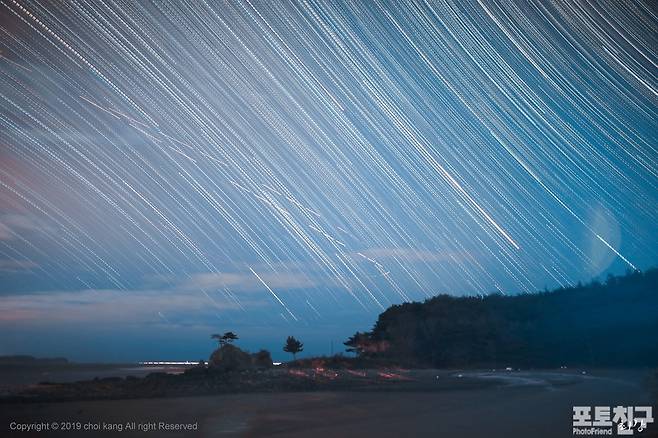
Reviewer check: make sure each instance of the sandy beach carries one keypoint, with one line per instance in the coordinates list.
(518, 404)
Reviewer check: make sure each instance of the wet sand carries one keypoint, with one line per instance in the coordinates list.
(520, 404)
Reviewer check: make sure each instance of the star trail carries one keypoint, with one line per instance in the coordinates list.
(293, 164)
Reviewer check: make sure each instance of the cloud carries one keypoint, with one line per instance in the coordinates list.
(12, 223)
(247, 281)
(10, 265)
(110, 306)
(5, 232)
(411, 255)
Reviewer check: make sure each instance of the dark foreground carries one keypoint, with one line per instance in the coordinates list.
(503, 404)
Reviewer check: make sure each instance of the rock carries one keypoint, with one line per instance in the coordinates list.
(111, 379)
(229, 358)
(262, 359)
(198, 370)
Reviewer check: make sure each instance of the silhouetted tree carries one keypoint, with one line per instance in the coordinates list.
(226, 338)
(358, 343)
(293, 346)
(587, 324)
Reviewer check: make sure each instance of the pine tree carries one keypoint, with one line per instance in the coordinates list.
(293, 346)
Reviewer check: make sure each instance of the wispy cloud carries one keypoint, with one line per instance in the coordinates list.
(411, 255)
(13, 223)
(5, 232)
(247, 281)
(10, 265)
(111, 306)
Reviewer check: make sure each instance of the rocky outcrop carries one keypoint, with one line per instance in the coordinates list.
(231, 358)
(262, 359)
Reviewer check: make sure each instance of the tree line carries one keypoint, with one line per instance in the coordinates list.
(611, 323)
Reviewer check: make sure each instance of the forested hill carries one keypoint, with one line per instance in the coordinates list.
(609, 324)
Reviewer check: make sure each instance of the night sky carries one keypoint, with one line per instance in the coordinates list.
(170, 170)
